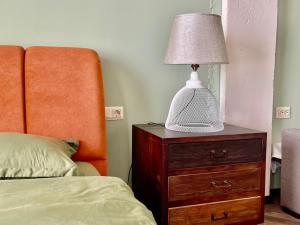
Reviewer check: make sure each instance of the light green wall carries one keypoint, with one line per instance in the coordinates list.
(287, 72)
(214, 70)
(131, 38)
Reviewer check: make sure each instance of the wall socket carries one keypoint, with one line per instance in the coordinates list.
(283, 112)
(114, 113)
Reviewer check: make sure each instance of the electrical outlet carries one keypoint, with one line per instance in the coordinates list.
(114, 113)
(283, 112)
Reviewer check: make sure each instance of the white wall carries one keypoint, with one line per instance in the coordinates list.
(247, 82)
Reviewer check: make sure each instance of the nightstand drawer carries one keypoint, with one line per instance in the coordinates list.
(229, 212)
(207, 187)
(189, 155)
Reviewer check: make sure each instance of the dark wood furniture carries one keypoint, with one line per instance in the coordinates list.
(194, 178)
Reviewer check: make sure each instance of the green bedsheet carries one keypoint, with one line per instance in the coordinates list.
(70, 201)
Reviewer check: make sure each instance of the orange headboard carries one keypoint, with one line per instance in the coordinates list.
(64, 98)
(12, 117)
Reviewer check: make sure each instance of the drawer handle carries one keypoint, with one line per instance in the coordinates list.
(215, 218)
(226, 184)
(215, 156)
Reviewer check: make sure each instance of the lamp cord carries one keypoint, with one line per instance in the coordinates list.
(129, 172)
(184, 108)
(156, 124)
(130, 168)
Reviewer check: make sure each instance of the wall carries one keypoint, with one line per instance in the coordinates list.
(247, 81)
(287, 77)
(214, 70)
(131, 37)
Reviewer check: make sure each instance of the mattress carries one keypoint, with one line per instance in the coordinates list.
(89, 200)
(87, 169)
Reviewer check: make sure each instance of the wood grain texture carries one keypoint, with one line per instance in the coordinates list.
(274, 215)
(206, 187)
(218, 168)
(230, 132)
(214, 153)
(220, 213)
(146, 171)
(162, 187)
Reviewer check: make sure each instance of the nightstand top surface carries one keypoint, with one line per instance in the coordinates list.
(160, 131)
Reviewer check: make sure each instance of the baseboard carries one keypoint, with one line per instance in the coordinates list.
(268, 199)
(274, 197)
(290, 212)
(273, 194)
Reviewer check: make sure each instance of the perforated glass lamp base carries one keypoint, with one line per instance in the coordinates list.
(194, 109)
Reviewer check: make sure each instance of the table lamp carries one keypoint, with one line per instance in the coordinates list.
(195, 39)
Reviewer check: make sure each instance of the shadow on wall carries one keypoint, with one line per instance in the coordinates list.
(118, 137)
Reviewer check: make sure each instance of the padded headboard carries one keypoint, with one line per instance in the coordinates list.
(64, 99)
(59, 93)
(12, 116)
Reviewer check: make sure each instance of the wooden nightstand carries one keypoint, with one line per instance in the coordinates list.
(193, 178)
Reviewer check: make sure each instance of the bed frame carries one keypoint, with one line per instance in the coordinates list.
(58, 92)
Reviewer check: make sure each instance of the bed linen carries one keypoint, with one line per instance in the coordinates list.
(28, 155)
(87, 169)
(70, 201)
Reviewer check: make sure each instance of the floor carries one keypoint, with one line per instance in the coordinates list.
(275, 216)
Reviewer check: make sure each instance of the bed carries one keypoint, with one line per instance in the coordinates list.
(57, 92)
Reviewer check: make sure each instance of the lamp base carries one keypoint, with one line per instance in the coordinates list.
(194, 109)
(196, 127)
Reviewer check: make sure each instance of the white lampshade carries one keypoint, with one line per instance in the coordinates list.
(196, 39)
